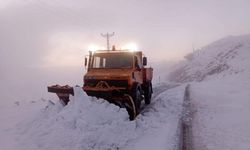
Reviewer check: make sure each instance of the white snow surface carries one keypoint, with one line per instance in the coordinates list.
(228, 56)
(91, 124)
(219, 75)
(221, 114)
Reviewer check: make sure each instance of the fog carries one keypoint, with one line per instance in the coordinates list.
(44, 42)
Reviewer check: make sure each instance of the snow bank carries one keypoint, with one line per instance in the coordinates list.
(221, 114)
(82, 124)
(11, 115)
(90, 124)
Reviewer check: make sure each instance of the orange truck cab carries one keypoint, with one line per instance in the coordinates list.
(115, 74)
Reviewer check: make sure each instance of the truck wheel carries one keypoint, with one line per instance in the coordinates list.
(130, 106)
(148, 93)
(137, 97)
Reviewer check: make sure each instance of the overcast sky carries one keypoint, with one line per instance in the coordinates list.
(57, 32)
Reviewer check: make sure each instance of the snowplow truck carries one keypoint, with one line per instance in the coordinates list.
(118, 76)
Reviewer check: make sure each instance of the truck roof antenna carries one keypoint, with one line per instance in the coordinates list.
(107, 35)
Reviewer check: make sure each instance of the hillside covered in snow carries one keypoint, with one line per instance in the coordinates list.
(224, 57)
(220, 81)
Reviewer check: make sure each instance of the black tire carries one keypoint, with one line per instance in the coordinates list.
(130, 107)
(137, 96)
(148, 93)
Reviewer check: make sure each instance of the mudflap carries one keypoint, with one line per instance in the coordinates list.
(130, 107)
(62, 92)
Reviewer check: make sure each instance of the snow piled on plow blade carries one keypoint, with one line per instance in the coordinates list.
(82, 124)
(91, 124)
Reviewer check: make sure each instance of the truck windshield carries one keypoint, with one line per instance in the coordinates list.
(112, 60)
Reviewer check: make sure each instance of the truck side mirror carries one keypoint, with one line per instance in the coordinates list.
(85, 61)
(144, 61)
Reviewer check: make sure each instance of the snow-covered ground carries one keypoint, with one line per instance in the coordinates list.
(13, 114)
(87, 123)
(220, 81)
(221, 118)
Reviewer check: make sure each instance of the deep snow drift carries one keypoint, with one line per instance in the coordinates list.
(221, 98)
(86, 123)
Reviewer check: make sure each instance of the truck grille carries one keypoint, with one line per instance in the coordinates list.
(116, 83)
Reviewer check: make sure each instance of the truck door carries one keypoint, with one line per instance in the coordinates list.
(138, 69)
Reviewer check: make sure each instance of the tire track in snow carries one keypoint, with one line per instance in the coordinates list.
(185, 123)
(156, 91)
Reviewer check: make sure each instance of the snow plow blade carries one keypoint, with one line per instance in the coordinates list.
(62, 92)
